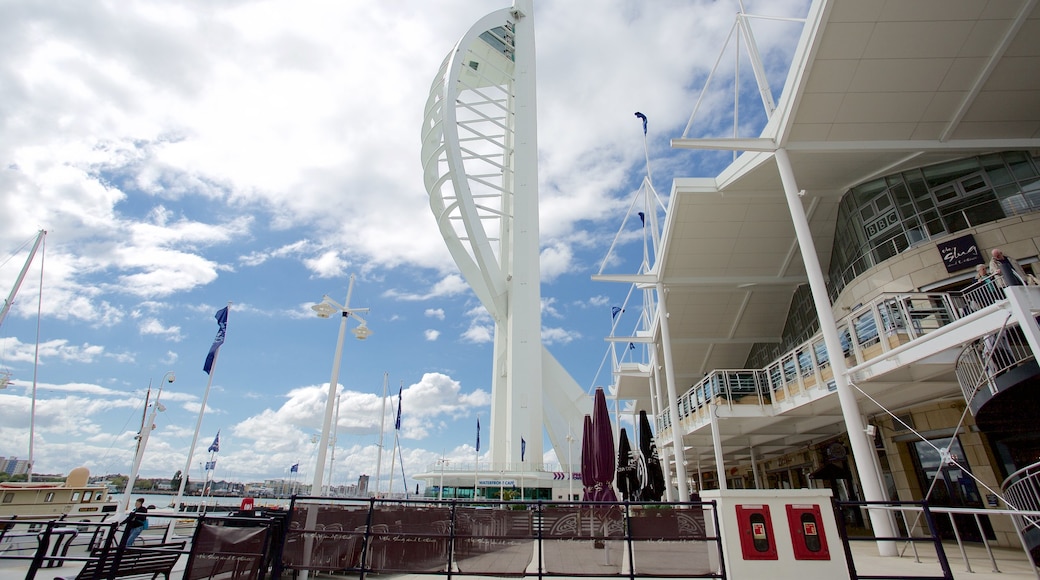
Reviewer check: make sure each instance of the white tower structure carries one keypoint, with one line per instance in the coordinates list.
(479, 153)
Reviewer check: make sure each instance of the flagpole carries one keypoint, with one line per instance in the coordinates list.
(476, 462)
(393, 458)
(382, 428)
(400, 457)
(198, 427)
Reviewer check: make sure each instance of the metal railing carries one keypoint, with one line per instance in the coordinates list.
(515, 539)
(868, 331)
(969, 529)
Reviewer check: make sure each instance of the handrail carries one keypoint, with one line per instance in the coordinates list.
(869, 330)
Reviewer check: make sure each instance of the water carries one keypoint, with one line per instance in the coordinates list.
(163, 501)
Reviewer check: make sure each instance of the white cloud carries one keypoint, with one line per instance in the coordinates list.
(431, 334)
(153, 326)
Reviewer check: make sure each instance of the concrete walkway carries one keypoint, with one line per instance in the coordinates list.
(1012, 565)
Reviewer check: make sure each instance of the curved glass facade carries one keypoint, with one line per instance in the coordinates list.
(886, 216)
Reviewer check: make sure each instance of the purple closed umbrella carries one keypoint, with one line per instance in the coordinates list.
(653, 483)
(627, 473)
(587, 466)
(602, 450)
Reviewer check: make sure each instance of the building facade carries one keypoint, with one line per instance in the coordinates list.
(811, 315)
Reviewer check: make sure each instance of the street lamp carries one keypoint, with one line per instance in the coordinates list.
(142, 438)
(570, 465)
(440, 490)
(325, 309)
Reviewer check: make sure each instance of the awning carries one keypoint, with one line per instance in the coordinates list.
(831, 471)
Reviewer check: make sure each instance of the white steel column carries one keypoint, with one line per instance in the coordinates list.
(716, 444)
(754, 466)
(655, 405)
(1019, 299)
(862, 448)
(673, 399)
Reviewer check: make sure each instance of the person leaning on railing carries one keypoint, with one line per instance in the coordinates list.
(1008, 268)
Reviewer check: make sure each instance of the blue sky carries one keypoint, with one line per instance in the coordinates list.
(184, 155)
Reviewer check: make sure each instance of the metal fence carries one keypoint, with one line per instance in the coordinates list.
(515, 539)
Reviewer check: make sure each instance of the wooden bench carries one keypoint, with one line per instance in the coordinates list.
(154, 560)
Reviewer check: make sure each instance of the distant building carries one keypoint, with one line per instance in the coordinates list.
(14, 466)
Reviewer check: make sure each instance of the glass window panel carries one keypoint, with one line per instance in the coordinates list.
(866, 329)
(901, 194)
(945, 193)
(883, 202)
(868, 191)
(1022, 169)
(1000, 175)
(955, 220)
(821, 354)
(974, 184)
(915, 181)
(937, 175)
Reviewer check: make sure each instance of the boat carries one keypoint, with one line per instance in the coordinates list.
(75, 499)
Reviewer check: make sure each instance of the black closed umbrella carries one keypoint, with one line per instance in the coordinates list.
(653, 484)
(627, 470)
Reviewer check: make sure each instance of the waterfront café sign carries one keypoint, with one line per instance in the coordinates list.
(497, 482)
(960, 253)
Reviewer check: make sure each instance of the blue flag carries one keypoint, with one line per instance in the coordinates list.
(615, 310)
(216, 444)
(221, 317)
(523, 449)
(211, 465)
(643, 117)
(478, 434)
(294, 468)
(397, 424)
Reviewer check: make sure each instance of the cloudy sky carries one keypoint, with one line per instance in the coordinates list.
(186, 154)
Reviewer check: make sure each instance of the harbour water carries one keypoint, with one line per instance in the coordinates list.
(165, 501)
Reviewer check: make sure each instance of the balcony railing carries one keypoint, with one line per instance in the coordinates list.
(868, 331)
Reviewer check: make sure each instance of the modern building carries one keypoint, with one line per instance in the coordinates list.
(14, 466)
(809, 316)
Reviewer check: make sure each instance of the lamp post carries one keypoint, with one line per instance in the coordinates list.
(325, 309)
(146, 430)
(570, 466)
(440, 490)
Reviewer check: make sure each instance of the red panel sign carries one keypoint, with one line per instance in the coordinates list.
(756, 532)
(807, 537)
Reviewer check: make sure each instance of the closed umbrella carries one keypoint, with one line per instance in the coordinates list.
(587, 463)
(627, 472)
(653, 486)
(602, 449)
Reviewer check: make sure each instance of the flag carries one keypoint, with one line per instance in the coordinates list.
(221, 317)
(523, 449)
(642, 219)
(643, 117)
(397, 424)
(211, 465)
(631, 346)
(215, 448)
(478, 434)
(615, 310)
(295, 468)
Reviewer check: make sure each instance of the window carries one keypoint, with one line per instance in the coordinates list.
(49, 498)
(9, 497)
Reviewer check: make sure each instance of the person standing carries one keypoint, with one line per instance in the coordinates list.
(136, 521)
(1009, 270)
